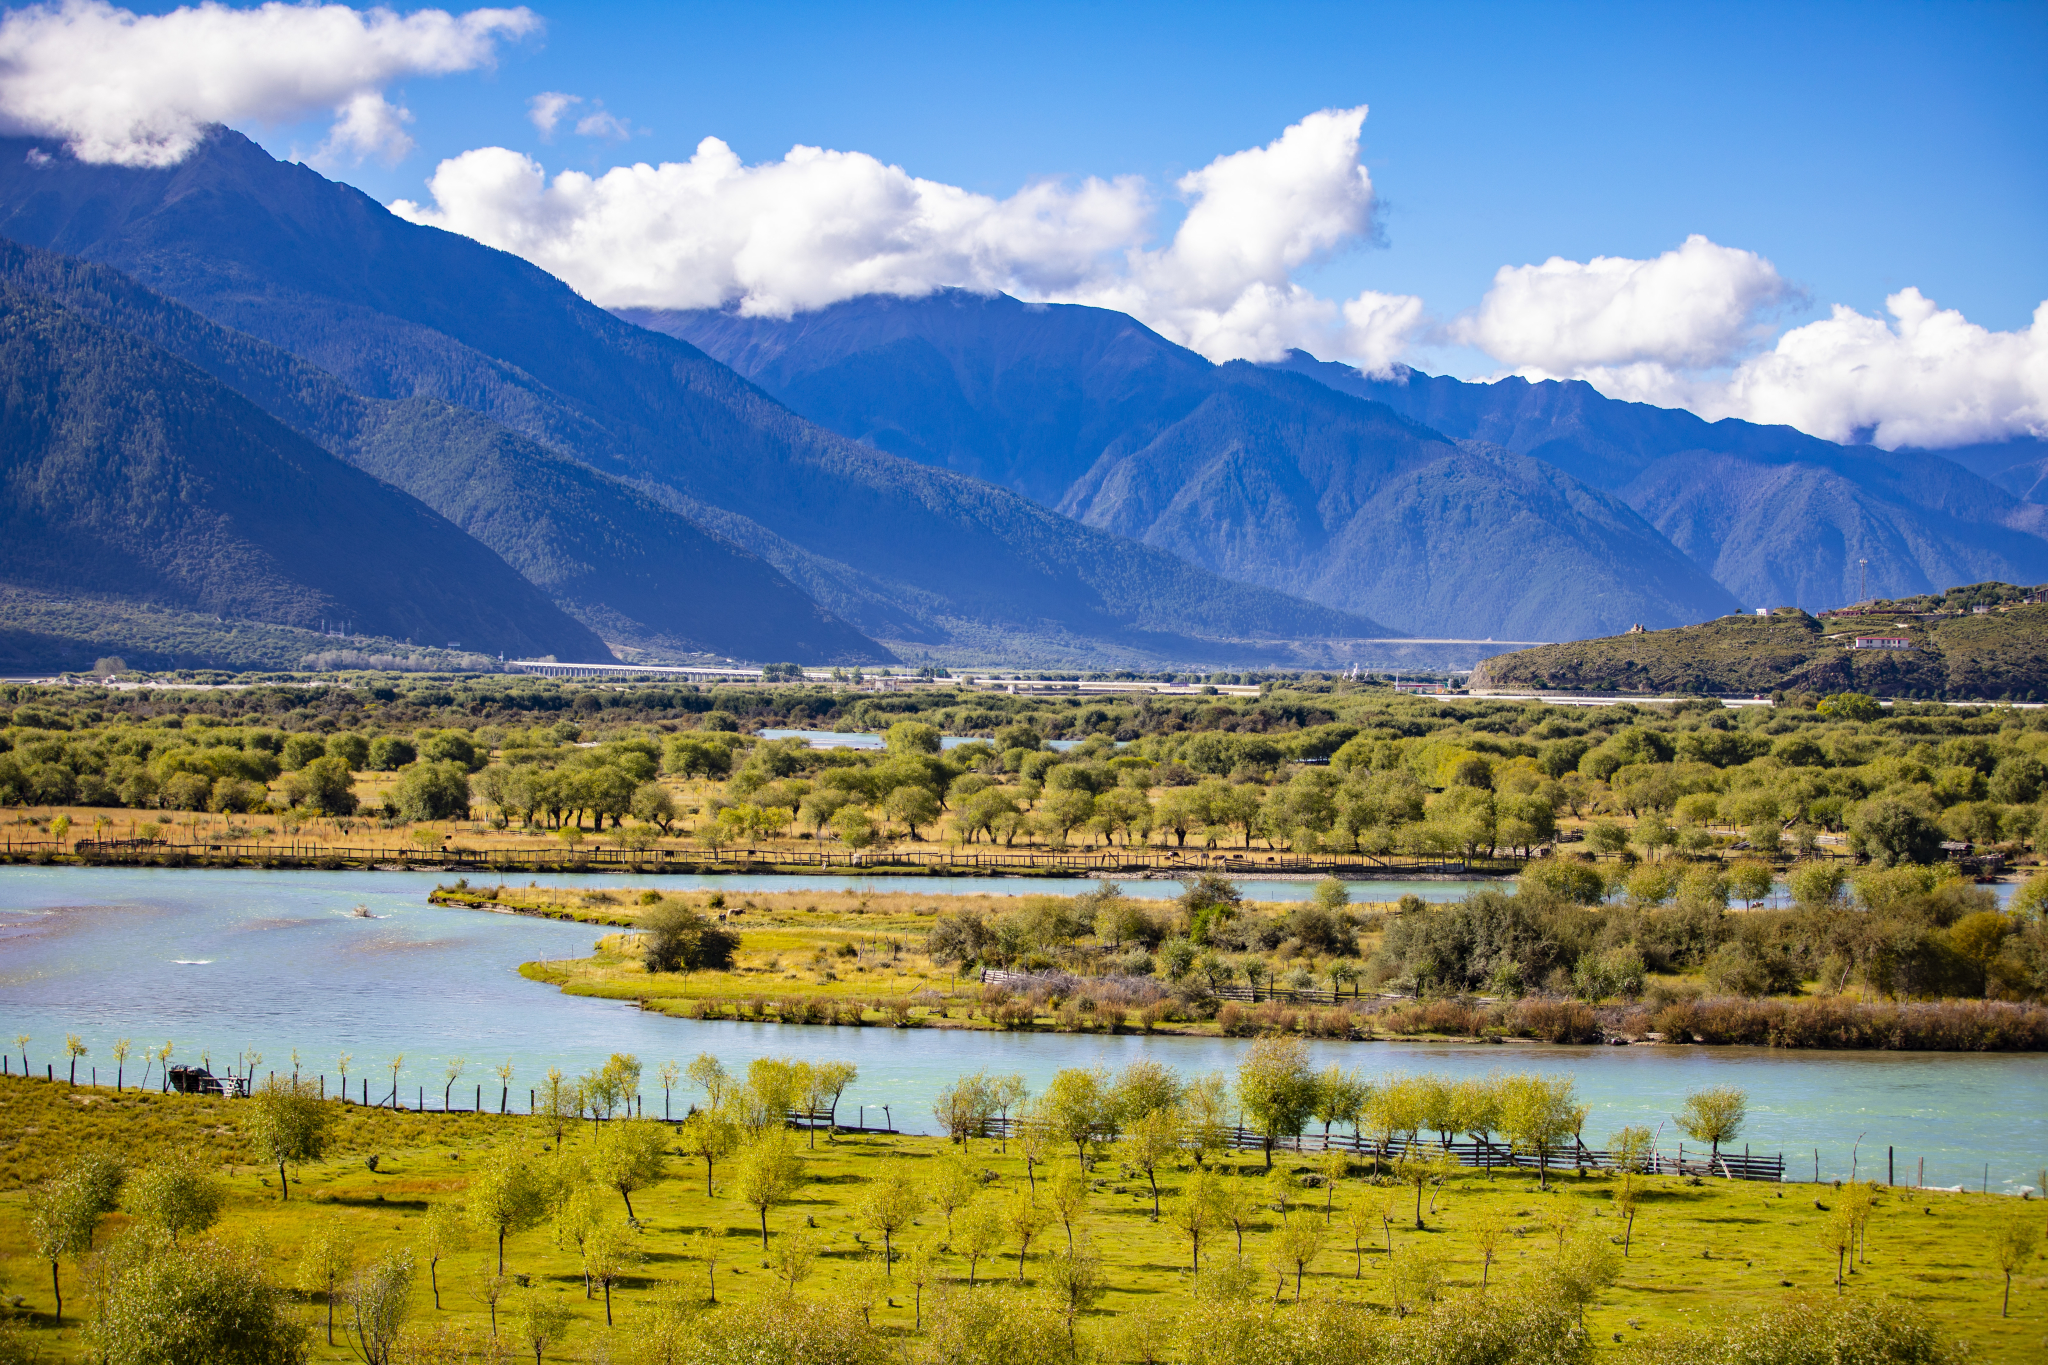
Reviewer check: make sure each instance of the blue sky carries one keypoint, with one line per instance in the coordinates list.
(1861, 148)
(1739, 171)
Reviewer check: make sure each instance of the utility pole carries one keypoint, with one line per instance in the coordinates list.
(1864, 566)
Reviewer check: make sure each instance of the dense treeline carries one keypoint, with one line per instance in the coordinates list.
(1655, 821)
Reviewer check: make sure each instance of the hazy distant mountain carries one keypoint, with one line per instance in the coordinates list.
(921, 559)
(2019, 466)
(1780, 517)
(606, 552)
(127, 473)
(1253, 474)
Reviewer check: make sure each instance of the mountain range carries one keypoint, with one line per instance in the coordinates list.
(924, 561)
(957, 478)
(1496, 508)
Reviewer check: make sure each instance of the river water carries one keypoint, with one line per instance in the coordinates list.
(222, 962)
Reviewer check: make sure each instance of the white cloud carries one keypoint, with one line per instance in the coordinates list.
(1929, 378)
(140, 90)
(1695, 307)
(1684, 330)
(605, 124)
(545, 110)
(821, 226)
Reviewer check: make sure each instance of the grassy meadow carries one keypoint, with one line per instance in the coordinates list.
(1698, 1251)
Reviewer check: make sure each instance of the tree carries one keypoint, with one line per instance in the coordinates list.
(1237, 1202)
(828, 1082)
(1068, 1193)
(288, 1122)
(710, 1135)
(378, 1296)
(796, 1255)
(707, 1072)
(1629, 1150)
(1893, 833)
(1076, 1106)
(1192, 1212)
(325, 1259)
(560, 1100)
(629, 1156)
(921, 1269)
(443, 1232)
(609, 1252)
(65, 1211)
(542, 1319)
(1076, 1280)
(1713, 1116)
(1150, 1139)
(174, 1195)
(1415, 1279)
(1977, 940)
(913, 806)
(1537, 1114)
(1023, 1219)
(963, 1108)
(1333, 1165)
(652, 805)
(1300, 1242)
(950, 1186)
(1277, 1089)
(892, 1201)
(675, 938)
(325, 785)
(198, 1301)
(428, 790)
(1487, 1234)
(1837, 1235)
(766, 1173)
(505, 1196)
(980, 1233)
(2018, 1241)
(1856, 706)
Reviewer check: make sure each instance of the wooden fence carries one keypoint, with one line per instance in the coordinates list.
(1479, 1151)
(655, 861)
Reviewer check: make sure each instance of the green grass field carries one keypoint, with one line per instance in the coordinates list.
(1699, 1250)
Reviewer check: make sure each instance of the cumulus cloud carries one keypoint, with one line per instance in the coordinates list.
(1930, 377)
(140, 90)
(1688, 329)
(1696, 307)
(821, 226)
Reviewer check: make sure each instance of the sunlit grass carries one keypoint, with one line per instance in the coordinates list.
(1699, 1249)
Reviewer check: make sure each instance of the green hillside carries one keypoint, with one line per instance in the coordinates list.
(1957, 654)
(53, 632)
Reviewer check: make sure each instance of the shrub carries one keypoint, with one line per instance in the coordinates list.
(675, 938)
(1558, 1021)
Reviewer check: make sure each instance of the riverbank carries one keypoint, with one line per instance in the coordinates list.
(220, 962)
(1697, 1250)
(860, 959)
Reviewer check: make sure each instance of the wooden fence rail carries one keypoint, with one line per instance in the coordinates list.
(1479, 1151)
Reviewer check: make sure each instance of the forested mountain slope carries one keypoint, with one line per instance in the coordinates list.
(1252, 474)
(1780, 517)
(125, 471)
(632, 569)
(919, 558)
